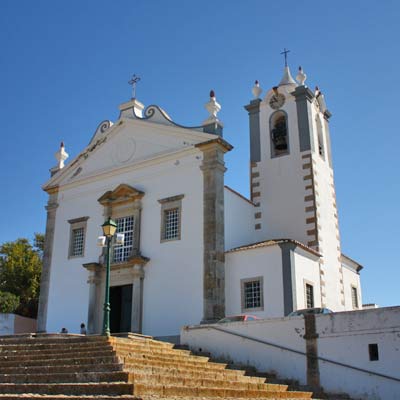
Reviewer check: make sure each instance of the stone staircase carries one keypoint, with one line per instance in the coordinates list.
(73, 367)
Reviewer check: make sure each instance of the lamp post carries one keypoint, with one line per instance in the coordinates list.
(109, 227)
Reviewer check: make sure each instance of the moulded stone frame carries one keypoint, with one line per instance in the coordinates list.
(273, 151)
(171, 203)
(354, 306)
(125, 201)
(242, 294)
(77, 223)
(312, 284)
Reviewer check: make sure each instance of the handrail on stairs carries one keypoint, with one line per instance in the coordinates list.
(241, 335)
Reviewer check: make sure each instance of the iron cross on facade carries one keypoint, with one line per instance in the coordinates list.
(134, 80)
(285, 52)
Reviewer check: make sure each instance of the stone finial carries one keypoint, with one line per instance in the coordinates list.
(213, 108)
(256, 90)
(61, 156)
(301, 77)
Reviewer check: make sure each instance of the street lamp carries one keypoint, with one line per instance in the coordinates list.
(109, 227)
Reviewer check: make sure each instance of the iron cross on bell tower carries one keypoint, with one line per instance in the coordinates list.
(133, 81)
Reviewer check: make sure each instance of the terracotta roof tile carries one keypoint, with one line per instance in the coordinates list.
(273, 242)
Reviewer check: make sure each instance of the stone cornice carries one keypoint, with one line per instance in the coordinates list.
(131, 262)
(121, 194)
(253, 107)
(92, 266)
(303, 92)
(218, 142)
(52, 189)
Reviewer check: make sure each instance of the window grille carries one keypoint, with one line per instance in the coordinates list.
(125, 225)
(78, 238)
(354, 297)
(171, 224)
(309, 296)
(252, 294)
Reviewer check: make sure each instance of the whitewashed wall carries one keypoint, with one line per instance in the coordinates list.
(281, 180)
(263, 262)
(7, 324)
(351, 278)
(278, 331)
(11, 324)
(305, 269)
(342, 337)
(239, 220)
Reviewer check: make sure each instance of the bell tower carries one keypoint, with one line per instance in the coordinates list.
(291, 175)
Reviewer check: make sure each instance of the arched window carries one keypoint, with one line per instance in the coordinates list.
(320, 133)
(279, 134)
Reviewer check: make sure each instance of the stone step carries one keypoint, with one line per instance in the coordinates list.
(31, 396)
(72, 377)
(183, 373)
(160, 356)
(132, 360)
(110, 389)
(144, 342)
(64, 361)
(60, 369)
(148, 349)
(134, 364)
(181, 391)
(157, 397)
(170, 380)
(56, 339)
(98, 353)
(53, 348)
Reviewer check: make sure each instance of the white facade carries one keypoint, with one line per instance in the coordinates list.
(224, 247)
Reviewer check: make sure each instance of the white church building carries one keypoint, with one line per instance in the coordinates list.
(195, 250)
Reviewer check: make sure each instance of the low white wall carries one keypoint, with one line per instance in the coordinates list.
(7, 324)
(342, 338)
(11, 324)
(279, 331)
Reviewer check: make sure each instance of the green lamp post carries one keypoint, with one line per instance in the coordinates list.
(109, 227)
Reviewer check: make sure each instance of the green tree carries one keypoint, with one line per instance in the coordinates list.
(8, 302)
(20, 269)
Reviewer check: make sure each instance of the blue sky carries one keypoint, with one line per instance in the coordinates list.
(65, 66)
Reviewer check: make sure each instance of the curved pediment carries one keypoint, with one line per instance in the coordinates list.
(121, 194)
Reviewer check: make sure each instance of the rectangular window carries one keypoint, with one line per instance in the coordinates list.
(171, 216)
(171, 224)
(77, 237)
(252, 294)
(373, 352)
(125, 225)
(354, 297)
(309, 296)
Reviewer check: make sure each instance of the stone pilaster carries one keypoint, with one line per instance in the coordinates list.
(304, 97)
(254, 122)
(96, 295)
(213, 168)
(137, 210)
(47, 255)
(137, 299)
